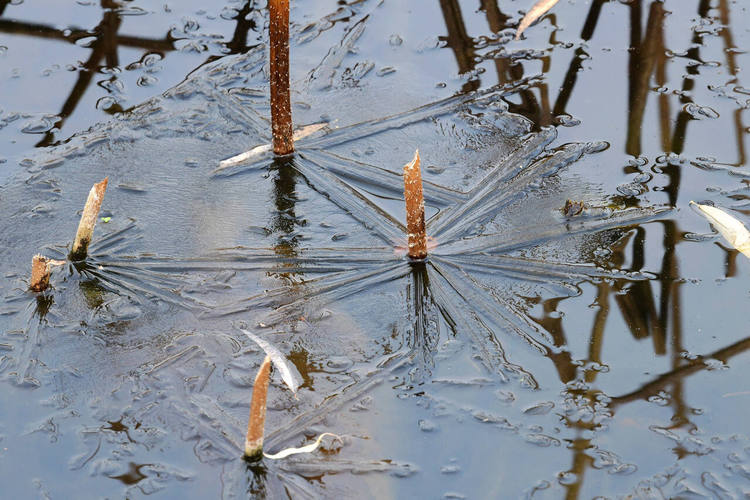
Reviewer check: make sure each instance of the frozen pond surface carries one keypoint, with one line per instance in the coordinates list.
(537, 352)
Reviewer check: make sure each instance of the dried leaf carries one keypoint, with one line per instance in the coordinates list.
(730, 228)
(289, 373)
(265, 149)
(303, 449)
(537, 11)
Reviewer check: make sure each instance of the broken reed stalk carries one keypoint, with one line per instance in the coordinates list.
(88, 221)
(415, 225)
(281, 110)
(40, 271)
(257, 421)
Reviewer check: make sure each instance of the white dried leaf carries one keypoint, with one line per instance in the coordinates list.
(289, 373)
(730, 228)
(259, 152)
(302, 449)
(537, 11)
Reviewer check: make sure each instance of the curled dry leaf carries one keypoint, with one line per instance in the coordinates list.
(302, 449)
(537, 11)
(730, 228)
(289, 373)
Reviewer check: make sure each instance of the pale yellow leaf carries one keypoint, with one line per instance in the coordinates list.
(730, 228)
(537, 11)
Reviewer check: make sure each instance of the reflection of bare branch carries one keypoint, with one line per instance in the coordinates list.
(104, 47)
(70, 35)
(460, 41)
(691, 367)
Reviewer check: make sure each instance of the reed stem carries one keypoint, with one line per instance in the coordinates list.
(257, 420)
(40, 271)
(415, 209)
(88, 221)
(281, 110)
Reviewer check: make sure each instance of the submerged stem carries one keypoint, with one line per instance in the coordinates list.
(415, 209)
(281, 111)
(257, 420)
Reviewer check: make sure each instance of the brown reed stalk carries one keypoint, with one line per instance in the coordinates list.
(257, 420)
(40, 271)
(415, 209)
(88, 221)
(281, 110)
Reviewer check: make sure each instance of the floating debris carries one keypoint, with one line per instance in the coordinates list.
(573, 208)
(289, 374)
(537, 11)
(302, 449)
(730, 228)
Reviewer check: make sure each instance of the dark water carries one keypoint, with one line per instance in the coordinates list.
(533, 354)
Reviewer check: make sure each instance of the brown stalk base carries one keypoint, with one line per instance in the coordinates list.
(257, 421)
(40, 271)
(281, 110)
(88, 221)
(415, 209)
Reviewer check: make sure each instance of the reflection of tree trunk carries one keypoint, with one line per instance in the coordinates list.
(566, 90)
(729, 50)
(3, 4)
(661, 81)
(597, 330)
(638, 306)
(424, 336)
(581, 462)
(285, 200)
(508, 71)
(683, 117)
(642, 61)
(459, 40)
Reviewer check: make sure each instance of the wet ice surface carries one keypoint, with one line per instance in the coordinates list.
(498, 367)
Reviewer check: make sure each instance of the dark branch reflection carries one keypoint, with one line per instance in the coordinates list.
(104, 50)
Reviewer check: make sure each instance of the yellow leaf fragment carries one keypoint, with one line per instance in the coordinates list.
(730, 228)
(537, 11)
(302, 449)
